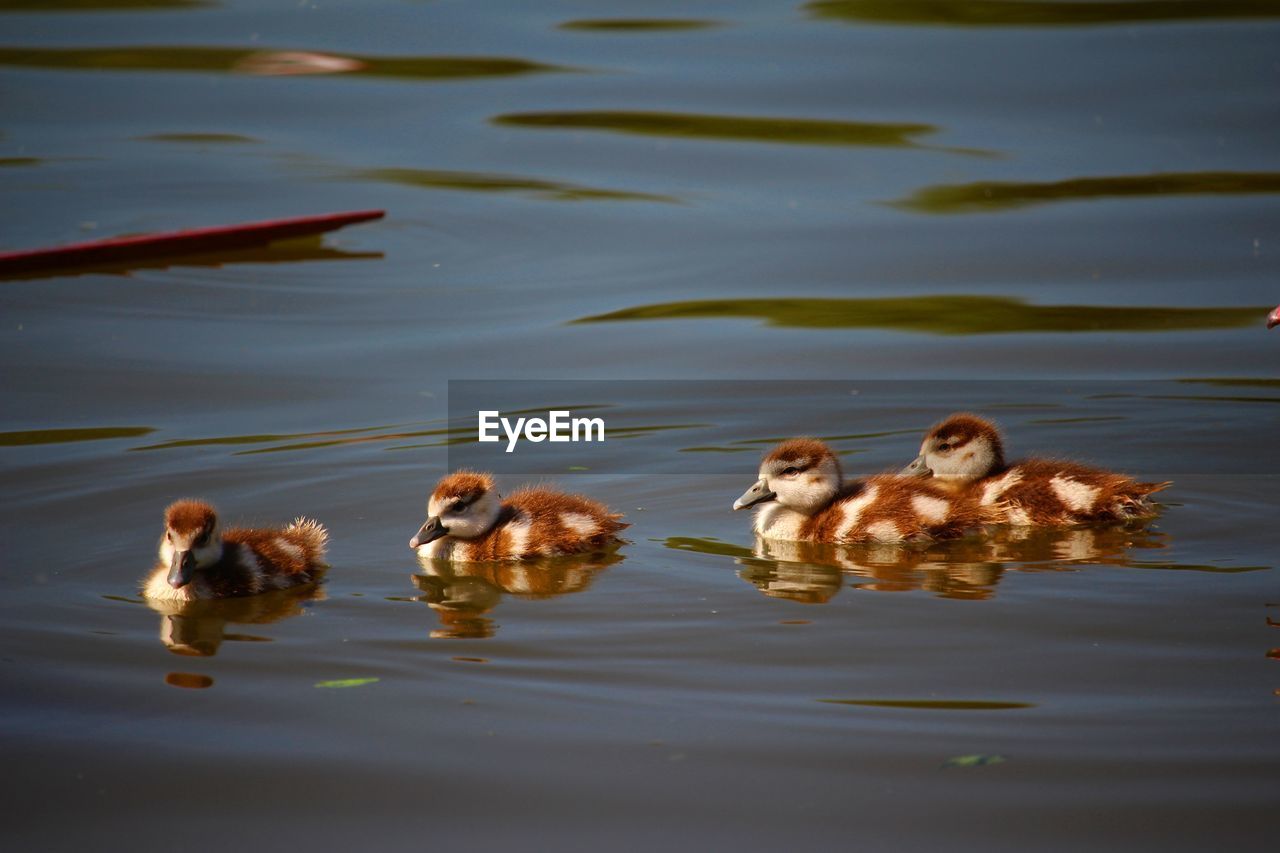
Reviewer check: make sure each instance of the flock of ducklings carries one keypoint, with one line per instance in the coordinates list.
(960, 483)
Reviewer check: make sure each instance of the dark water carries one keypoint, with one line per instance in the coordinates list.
(1063, 214)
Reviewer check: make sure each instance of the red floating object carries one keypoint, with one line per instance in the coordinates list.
(1273, 319)
(189, 241)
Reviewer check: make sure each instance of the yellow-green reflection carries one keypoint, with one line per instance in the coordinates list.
(1189, 398)
(995, 196)
(933, 704)
(223, 59)
(783, 131)
(19, 162)
(639, 25)
(486, 182)
(940, 315)
(200, 138)
(200, 627)
(463, 594)
(302, 249)
(101, 5)
(263, 438)
(22, 438)
(1234, 382)
(1037, 13)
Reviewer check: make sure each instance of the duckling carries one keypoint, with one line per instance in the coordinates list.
(964, 454)
(1273, 319)
(468, 521)
(803, 497)
(199, 561)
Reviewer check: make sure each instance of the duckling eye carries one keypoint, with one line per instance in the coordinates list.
(790, 471)
(202, 539)
(460, 506)
(944, 447)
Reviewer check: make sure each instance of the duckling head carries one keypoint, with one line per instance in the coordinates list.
(801, 474)
(192, 541)
(963, 447)
(464, 505)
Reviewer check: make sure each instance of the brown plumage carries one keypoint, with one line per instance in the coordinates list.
(895, 508)
(198, 561)
(802, 450)
(965, 454)
(469, 521)
(802, 496)
(543, 510)
(467, 485)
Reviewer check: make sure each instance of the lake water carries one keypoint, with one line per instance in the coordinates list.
(714, 224)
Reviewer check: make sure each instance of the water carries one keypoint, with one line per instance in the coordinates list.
(866, 214)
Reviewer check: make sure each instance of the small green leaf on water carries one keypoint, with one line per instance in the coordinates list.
(346, 682)
(973, 761)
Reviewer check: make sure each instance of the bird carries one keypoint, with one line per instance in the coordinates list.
(200, 561)
(802, 496)
(1273, 319)
(964, 454)
(468, 521)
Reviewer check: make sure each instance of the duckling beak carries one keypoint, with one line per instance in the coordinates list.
(181, 568)
(757, 494)
(1273, 319)
(917, 468)
(429, 532)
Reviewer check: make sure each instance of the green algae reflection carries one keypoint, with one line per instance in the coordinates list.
(101, 5)
(1032, 13)
(933, 704)
(485, 182)
(639, 25)
(783, 131)
(940, 315)
(240, 60)
(199, 138)
(23, 438)
(996, 196)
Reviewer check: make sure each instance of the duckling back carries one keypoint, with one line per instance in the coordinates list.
(1053, 493)
(881, 508)
(538, 522)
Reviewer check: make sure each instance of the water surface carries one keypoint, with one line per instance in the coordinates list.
(841, 219)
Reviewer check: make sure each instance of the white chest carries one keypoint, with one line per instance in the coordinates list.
(774, 521)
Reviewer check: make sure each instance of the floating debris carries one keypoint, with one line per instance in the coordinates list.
(347, 682)
(977, 760)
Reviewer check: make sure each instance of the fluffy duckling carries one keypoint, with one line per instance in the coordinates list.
(199, 561)
(964, 454)
(1273, 319)
(468, 521)
(803, 497)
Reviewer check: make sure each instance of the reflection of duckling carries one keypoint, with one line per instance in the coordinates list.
(965, 455)
(949, 570)
(462, 592)
(960, 569)
(197, 561)
(467, 520)
(199, 627)
(802, 497)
